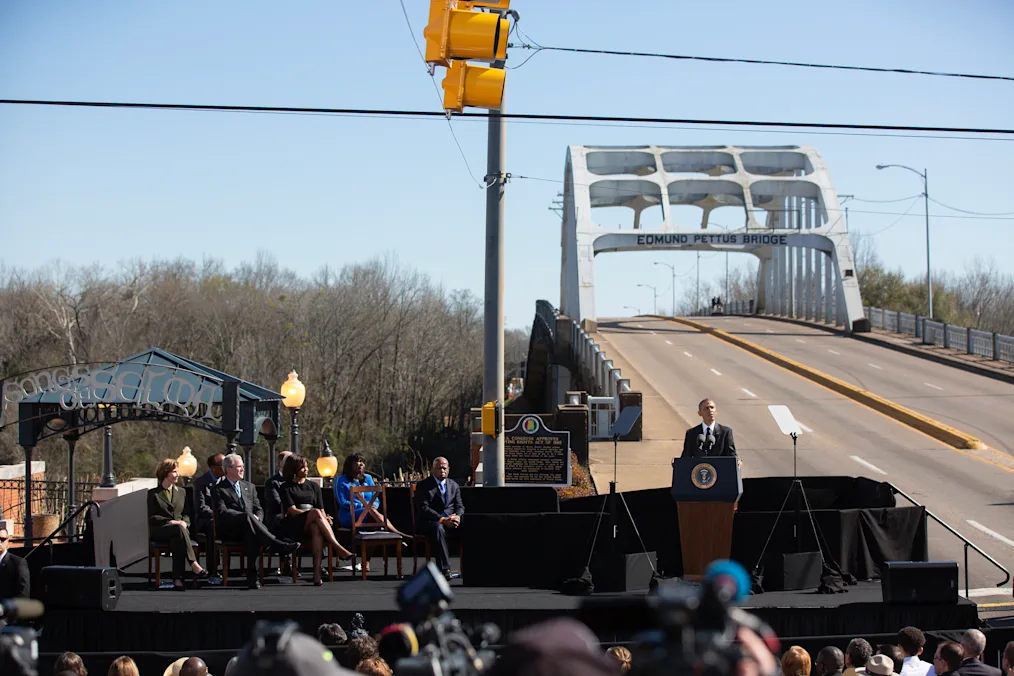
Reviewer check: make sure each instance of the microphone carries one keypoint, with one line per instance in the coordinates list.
(711, 441)
(700, 441)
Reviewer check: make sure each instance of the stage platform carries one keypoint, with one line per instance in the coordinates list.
(219, 618)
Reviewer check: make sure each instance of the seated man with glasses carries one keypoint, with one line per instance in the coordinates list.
(14, 579)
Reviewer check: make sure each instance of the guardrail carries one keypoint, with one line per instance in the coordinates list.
(992, 345)
(734, 307)
(586, 355)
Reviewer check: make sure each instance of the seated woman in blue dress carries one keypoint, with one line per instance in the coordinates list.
(354, 474)
(304, 517)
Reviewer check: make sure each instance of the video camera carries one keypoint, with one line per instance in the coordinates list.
(444, 647)
(682, 629)
(19, 646)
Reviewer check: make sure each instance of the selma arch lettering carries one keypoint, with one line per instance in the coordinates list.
(731, 239)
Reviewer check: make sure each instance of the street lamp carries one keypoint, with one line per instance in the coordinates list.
(672, 268)
(293, 393)
(327, 464)
(925, 194)
(636, 310)
(654, 297)
(186, 464)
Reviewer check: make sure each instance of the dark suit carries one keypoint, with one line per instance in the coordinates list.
(725, 443)
(273, 501)
(973, 667)
(240, 520)
(14, 579)
(161, 511)
(203, 516)
(430, 507)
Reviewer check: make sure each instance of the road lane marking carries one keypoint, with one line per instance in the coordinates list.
(804, 427)
(638, 326)
(868, 465)
(874, 366)
(687, 353)
(935, 387)
(991, 533)
(668, 342)
(748, 392)
(653, 333)
(833, 352)
(800, 340)
(769, 330)
(987, 591)
(717, 373)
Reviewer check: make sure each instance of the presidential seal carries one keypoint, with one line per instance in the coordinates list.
(704, 476)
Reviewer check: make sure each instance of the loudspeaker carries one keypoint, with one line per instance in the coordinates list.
(920, 582)
(792, 572)
(621, 572)
(84, 587)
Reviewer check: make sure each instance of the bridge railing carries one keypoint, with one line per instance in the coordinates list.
(992, 345)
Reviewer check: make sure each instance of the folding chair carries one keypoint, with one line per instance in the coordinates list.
(363, 529)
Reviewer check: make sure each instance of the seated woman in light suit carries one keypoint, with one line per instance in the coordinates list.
(168, 523)
(304, 517)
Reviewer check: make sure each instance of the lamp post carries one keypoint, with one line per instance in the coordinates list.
(654, 297)
(186, 465)
(293, 394)
(698, 302)
(925, 194)
(327, 464)
(108, 480)
(636, 310)
(672, 268)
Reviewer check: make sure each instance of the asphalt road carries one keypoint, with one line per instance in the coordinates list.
(841, 437)
(975, 404)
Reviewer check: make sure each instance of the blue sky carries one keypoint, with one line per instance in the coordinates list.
(105, 186)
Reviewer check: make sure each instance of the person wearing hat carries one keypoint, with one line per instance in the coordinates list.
(881, 665)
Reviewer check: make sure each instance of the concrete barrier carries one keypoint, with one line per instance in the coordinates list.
(933, 428)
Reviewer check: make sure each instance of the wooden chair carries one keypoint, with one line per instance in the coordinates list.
(158, 548)
(227, 549)
(367, 524)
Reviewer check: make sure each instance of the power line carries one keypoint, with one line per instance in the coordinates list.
(514, 116)
(976, 213)
(440, 100)
(762, 62)
(897, 220)
(900, 199)
(638, 191)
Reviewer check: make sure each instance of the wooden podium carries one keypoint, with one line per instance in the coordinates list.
(706, 490)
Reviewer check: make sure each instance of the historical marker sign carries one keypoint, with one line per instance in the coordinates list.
(535, 455)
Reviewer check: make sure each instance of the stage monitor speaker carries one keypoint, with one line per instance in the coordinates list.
(84, 587)
(920, 582)
(792, 572)
(612, 572)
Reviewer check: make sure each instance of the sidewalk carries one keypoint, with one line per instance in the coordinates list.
(646, 463)
(1002, 370)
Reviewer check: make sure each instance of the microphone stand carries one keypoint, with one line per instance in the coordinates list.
(612, 497)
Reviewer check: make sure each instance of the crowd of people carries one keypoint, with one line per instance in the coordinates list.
(226, 507)
(564, 647)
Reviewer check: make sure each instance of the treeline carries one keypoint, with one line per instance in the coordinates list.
(392, 362)
(981, 297)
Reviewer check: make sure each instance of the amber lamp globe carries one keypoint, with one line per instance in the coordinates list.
(293, 391)
(187, 463)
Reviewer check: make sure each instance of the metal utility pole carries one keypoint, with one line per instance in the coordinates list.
(673, 269)
(492, 344)
(924, 174)
(698, 308)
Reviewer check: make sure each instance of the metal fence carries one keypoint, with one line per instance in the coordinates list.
(995, 346)
(48, 497)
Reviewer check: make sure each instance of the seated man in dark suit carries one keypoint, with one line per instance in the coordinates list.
(438, 506)
(974, 644)
(717, 439)
(203, 508)
(14, 578)
(238, 517)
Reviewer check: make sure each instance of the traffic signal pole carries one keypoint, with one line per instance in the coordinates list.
(492, 344)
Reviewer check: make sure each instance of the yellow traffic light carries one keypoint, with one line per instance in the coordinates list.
(455, 31)
(491, 418)
(474, 86)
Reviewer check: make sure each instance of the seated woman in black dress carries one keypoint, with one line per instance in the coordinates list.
(303, 507)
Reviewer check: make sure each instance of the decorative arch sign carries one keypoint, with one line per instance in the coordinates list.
(535, 455)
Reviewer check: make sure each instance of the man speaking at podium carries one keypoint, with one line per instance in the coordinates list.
(709, 439)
